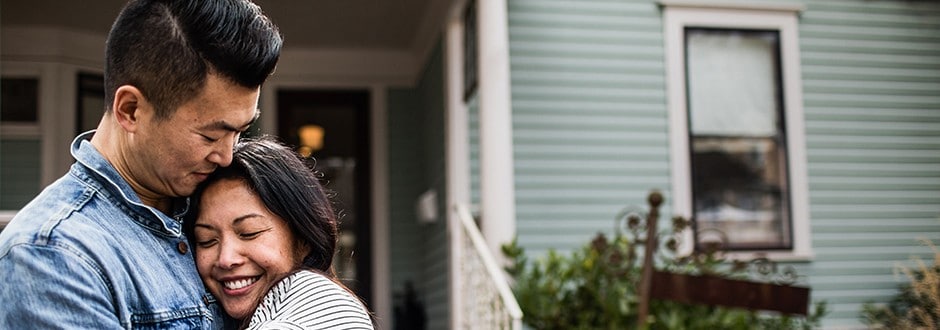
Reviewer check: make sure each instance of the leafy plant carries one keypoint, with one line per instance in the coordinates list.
(596, 286)
(917, 304)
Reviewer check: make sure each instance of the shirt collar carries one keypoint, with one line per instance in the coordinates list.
(112, 182)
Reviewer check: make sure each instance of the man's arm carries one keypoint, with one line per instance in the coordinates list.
(48, 286)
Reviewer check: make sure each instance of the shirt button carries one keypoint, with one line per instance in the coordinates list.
(182, 247)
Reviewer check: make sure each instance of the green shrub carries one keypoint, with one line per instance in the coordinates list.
(595, 287)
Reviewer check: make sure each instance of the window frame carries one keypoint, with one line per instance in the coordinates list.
(23, 131)
(54, 127)
(677, 15)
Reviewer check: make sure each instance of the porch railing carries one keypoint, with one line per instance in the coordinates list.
(481, 298)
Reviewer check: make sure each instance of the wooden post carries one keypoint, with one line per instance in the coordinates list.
(654, 199)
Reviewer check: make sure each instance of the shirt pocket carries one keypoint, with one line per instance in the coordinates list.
(187, 318)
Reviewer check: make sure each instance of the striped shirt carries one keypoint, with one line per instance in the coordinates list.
(308, 300)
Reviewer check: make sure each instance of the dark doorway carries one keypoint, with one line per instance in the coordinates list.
(331, 127)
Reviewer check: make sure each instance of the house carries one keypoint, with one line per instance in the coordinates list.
(806, 131)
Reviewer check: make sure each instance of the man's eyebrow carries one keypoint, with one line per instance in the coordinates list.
(222, 125)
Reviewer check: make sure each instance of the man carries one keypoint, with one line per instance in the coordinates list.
(102, 247)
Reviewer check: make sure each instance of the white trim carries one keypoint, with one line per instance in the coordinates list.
(497, 185)
(457, 155)
(52, 97)
(20, 131)
(727, 5)
(381, 268)
(267, 105)
(677, 15)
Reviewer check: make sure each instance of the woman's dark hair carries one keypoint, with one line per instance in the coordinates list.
(289, 189)
(167, 48)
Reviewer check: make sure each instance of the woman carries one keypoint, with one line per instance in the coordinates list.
(265, 234)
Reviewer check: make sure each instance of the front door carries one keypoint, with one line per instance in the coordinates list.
(331, 127)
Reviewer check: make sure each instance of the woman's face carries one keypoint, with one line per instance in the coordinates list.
(241, 247)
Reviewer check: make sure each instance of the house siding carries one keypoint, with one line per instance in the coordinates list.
(416, 164)
(589, 116)
(590, 131)
(871, 80)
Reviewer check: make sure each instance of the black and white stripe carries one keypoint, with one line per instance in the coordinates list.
(308, 300)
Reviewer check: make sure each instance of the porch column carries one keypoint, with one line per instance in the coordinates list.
(458, 159)
(497, 188)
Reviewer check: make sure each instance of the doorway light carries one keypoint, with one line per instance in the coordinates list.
(311, 139)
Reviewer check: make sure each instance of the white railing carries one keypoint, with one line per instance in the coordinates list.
(481, 297)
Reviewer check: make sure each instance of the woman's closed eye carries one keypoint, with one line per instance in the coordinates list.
(206, 243)
(252, 234)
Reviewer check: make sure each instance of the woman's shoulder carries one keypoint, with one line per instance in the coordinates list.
(313, 300)
(306, 285)
(311, 284)
(305, 277)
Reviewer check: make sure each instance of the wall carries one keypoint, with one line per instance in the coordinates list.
(590, 131)
(871, 76)
(416, 163)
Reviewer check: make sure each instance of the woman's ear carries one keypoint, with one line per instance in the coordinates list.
(302, 252)
(128, 102)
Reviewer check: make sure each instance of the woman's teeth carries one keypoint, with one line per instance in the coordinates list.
(238, 284)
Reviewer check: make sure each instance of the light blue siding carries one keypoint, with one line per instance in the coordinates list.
(871, 72)
(591, 131)
(588, 97)
(419, 252)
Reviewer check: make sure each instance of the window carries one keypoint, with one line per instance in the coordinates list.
(33, 147)
(19, 102)
(736, 127)
(20, 138)
(42, 85)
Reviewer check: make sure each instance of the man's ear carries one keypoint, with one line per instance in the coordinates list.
(127, 107)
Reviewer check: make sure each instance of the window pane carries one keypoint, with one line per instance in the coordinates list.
(19, 172)
(19, 100)
(740, 190)
(732, 82)
(739, 173)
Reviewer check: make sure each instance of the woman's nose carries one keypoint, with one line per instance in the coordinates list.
(230, 256)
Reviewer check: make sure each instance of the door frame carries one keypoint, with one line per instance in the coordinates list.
(381, 281)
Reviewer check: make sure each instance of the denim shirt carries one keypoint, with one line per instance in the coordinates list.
(88, 254)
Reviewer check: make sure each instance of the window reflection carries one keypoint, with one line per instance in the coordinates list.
(736, 134)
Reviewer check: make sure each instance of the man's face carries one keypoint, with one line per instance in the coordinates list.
(170, 157)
